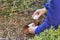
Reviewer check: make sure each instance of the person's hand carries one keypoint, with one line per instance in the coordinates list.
(39, 12)
(31, 30)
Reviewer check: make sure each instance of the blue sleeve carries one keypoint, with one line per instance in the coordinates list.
(47, 4)
(42, 27)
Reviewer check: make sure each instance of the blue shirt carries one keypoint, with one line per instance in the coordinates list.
(53, 16)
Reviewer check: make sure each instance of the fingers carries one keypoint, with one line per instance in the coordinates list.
(31, 31)
(36, 14)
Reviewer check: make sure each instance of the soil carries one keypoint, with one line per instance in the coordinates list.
(11, 28)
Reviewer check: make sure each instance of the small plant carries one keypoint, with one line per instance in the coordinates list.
(7, 7)
(51, 34)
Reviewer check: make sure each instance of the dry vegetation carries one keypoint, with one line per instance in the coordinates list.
(13, 16)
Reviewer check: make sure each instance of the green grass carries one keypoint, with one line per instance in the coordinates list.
(19, 5)
(50, 34)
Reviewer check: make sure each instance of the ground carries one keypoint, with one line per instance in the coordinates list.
(12, 26)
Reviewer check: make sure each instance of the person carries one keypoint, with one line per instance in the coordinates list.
(53, 16)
